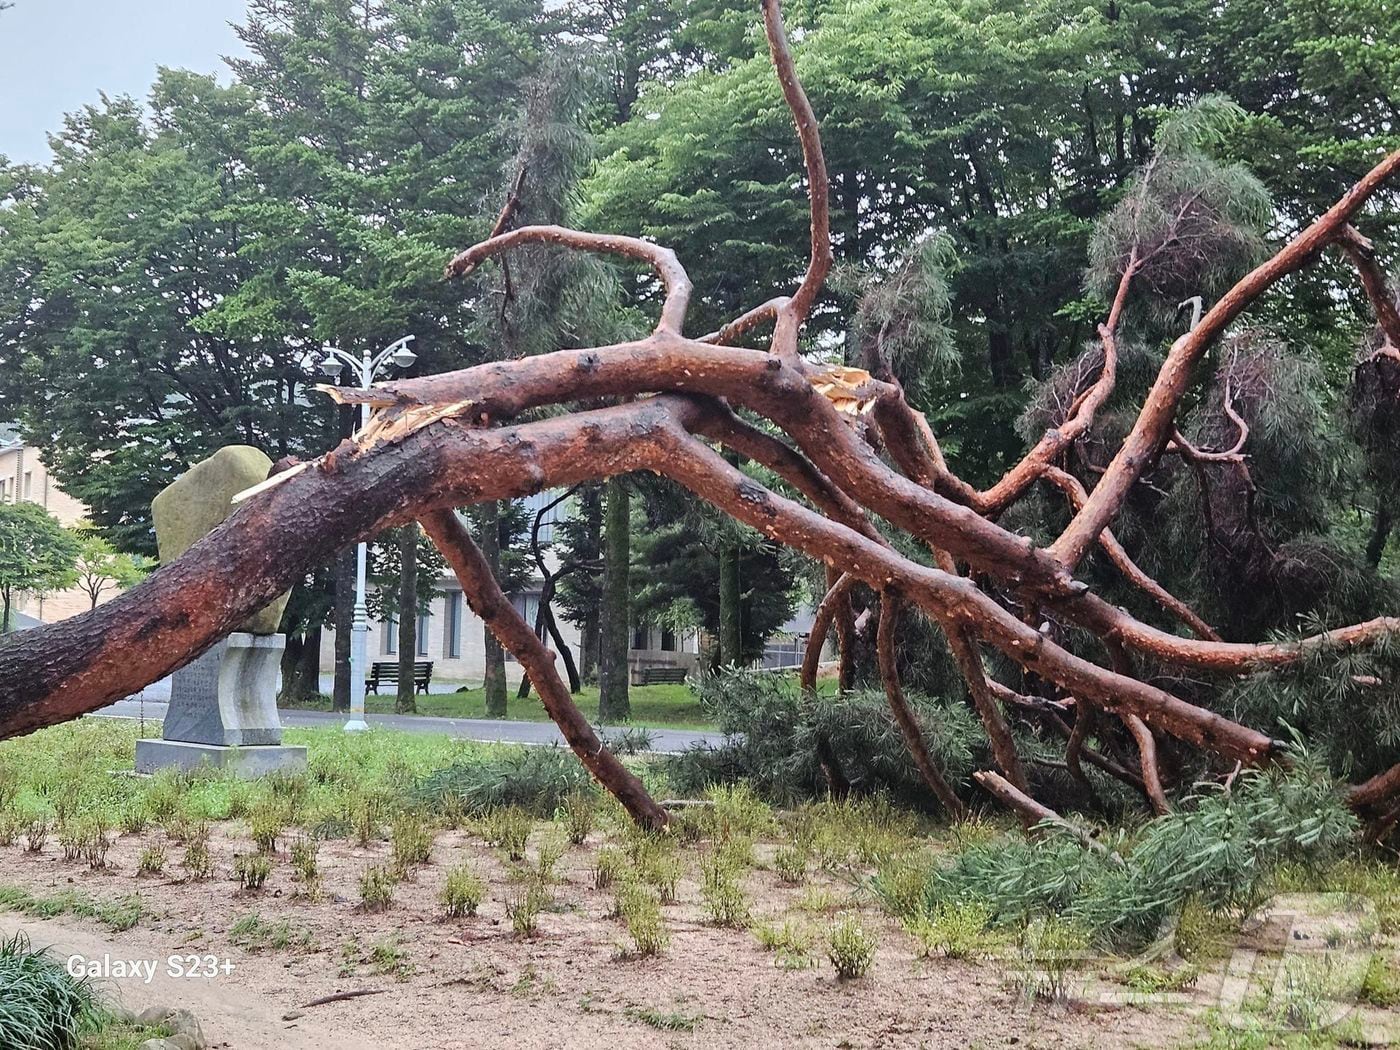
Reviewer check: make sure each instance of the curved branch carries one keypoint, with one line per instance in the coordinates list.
(487, 600)
(791, 314)
(668, 268)
(1071, 486)
(1362, 254)
(1153, 424)
(1147, 761)
(903, 715)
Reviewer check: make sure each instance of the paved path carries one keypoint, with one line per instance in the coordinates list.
(486, 729)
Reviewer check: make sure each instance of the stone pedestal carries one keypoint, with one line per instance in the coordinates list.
(223, 711)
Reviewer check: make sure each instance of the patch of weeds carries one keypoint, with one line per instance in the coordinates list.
(899, 884)
(97, 842)
(253, 933)
(666, 1020)
(387, 957)
(850, 947)
(463, 892)
(267, 821)
(790, 862)
(658, 865)
(1051, 949)
(524, 908)
(151, 861)
(579, 814)
(547, 856)
(508, 829)
(792, 941)
(376, 888)
(412, 841)
(817, 899)
(954, 929)
(722, 890)
(1203, 936)
(198, 862)
(639, 910)
(36, 833)
(529, 984)
(609, 863)
(1151, 980)
(1380, 984)
(305, 867)
(117, 915)
(251, 870)
(367, 816)
(135, 816)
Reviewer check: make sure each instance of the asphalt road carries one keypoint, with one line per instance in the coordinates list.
(490, 730)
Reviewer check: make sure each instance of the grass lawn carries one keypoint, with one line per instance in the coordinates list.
(671, 706)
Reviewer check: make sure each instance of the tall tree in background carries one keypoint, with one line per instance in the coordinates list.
(37, 554)
(614, 632)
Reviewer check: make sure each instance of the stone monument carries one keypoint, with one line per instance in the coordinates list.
(223, 704)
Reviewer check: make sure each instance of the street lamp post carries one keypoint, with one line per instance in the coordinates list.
(364, 368)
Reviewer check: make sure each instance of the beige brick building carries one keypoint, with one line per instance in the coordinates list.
(24, 477)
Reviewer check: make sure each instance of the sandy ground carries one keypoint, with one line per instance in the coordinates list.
(473, 982)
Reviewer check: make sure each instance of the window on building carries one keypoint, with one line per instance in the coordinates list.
(527, 604)
(639, 637)
(389, 631)
(422, 628)
(29, 484)
(452, 638)
(668, 640)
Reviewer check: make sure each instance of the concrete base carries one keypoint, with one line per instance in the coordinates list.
(247, 761)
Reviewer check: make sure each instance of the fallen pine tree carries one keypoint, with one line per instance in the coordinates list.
(843, 439)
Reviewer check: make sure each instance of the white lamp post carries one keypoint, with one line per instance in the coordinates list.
(364, 368)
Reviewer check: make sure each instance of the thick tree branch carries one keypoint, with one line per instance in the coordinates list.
(486, 599)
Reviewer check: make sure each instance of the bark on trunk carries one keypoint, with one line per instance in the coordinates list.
(614, 704)
(406, 702)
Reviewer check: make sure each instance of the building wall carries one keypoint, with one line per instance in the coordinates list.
(24, 477)
(466, 662)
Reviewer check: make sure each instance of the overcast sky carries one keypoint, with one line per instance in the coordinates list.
(56, 55)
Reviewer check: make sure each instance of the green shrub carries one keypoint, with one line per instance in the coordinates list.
(645, 927)
(42, 1006)
(252, 870)
(955, 929)
(507, 829)
(267, 821)
(774, 731)
(412, 840)
(790, 863)
(550, 852)
(722, 892)
(791, 940)
(525, 907)
(198, 861)
(850, 947)
(9, 828)
(71, 839)
(97, 842)
(135, 816)
(376, 888)
(463, 891)
(305, 852)
(579, 813)
(367, 817)
(608, 866)
(36, 833)
(151, 861)
(1051, 951)
(535, 779)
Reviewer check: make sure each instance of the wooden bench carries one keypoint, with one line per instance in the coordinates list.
(386, 672)
(661, 675)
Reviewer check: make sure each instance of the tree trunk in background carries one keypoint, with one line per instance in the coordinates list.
(613, 702)
(344, 618)
(731, 644)
(405, 704)
(591, 510)
(494, 680)
(1375, 547)
(301, 668)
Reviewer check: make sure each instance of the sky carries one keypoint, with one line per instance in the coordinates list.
(56, 55)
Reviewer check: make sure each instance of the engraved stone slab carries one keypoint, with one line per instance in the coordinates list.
(228, 696)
